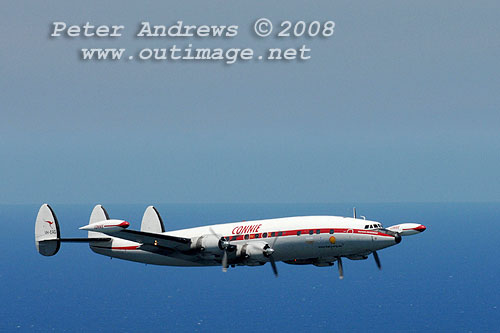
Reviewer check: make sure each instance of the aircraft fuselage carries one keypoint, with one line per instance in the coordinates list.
(318, 240)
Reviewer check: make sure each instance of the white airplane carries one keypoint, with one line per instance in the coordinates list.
(300, 240)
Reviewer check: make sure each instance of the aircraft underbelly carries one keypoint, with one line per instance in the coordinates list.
(145, 257)
(319, 246)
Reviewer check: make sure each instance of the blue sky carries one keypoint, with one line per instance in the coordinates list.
(401, 104)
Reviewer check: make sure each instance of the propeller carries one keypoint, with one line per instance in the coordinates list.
(224, 261)
(225, 246)
(377, 260)
(341, 269)
(268, 253)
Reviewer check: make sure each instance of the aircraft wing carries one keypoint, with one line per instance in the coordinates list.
(151, 240)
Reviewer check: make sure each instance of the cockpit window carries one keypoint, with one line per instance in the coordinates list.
(367, 226)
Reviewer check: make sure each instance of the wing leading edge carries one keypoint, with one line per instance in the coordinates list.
(149, 238)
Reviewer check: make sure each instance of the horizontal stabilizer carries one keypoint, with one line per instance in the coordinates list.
(84, 240)
(151, 221)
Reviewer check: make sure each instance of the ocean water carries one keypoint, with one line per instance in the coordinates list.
(444, 279)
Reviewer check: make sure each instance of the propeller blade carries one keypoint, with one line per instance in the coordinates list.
(225, 246)
(214, 233)
(273, 265)
(377, 260)
(341, 269)
(268, 253)
(224, 262)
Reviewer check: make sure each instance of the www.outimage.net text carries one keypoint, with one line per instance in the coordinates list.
(179, 47)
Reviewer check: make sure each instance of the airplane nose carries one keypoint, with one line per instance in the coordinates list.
(421, 228)
(397, 238)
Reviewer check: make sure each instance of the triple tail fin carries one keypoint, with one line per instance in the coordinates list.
(99, 214)
(47, 233)
(151, 221)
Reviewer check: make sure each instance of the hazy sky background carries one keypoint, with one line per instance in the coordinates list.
(401, 104)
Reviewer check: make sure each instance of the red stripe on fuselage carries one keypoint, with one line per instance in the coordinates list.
(306, 232)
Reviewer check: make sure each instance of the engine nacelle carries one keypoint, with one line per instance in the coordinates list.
(207, 243)
(407, 229)
(107, 226)
(253, 252)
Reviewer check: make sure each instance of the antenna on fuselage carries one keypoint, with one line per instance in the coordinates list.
(354, 212)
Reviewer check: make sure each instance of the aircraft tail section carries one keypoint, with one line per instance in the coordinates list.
(151, 221)
(47, 233)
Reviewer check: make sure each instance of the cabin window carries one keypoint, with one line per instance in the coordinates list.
(298, 233)
(280, 233)
(234, 237)
(331, 231)
(264, 235)
(311, 232)
(246, 236)
(318, 231)
(273, 234)
(256, 236)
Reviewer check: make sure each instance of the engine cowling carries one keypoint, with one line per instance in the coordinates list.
(207, 243)
(254, 252)
(107, 226)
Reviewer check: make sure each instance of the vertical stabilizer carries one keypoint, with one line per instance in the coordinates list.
(151, 221)
(98, 214)
(47, 233)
